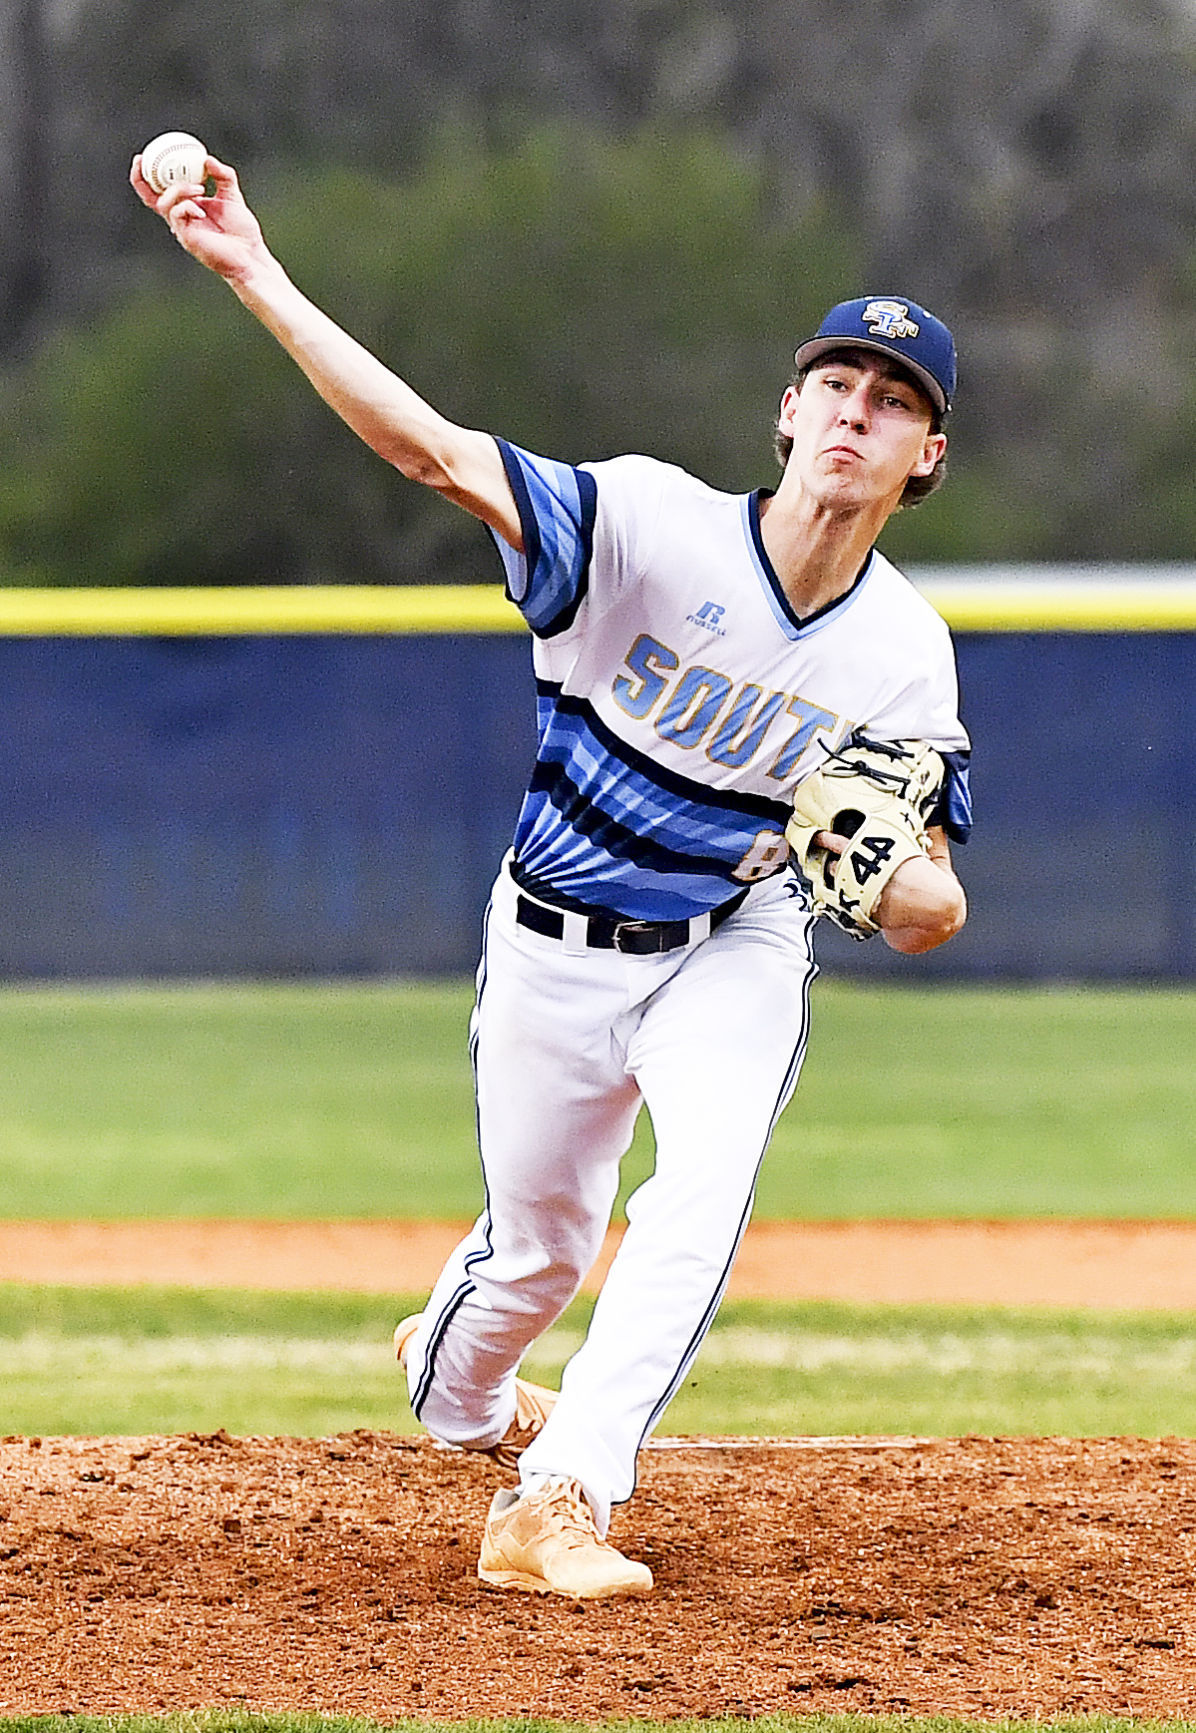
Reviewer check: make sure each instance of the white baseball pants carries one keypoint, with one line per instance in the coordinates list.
(567, 1043)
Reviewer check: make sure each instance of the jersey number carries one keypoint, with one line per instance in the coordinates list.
(766, 856)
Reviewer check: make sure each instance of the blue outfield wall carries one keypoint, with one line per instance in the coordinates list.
(1081, 865)
(255, 806)
(281, 805)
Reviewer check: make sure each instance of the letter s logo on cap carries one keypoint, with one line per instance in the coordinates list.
(889, 319)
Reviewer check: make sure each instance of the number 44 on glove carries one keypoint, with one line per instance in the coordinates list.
(880, 794)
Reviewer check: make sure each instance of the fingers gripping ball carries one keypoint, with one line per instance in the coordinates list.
(171, 157)
(878, 793)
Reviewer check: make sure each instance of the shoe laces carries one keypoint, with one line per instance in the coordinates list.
(571, 1513)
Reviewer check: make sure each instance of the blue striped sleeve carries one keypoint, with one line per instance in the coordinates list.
(557, 504)
(954, 809)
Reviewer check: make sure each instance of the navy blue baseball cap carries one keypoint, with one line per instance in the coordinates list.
(897, 327)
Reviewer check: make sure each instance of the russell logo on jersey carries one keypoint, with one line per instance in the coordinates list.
(709, 615)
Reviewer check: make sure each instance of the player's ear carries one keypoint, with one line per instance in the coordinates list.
(788, 398)
(932, 451)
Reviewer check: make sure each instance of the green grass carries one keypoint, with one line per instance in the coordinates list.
(110, 1361)
(1010, 1102)
(236, 1101)
(355, 1101)
(222, 1721)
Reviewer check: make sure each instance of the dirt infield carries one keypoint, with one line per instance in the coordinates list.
(971, 1577)
(974, 1577)
(1120, 1265)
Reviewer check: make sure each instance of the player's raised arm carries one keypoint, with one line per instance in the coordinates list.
(222, 233)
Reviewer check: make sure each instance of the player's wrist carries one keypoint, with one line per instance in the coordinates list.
(258, 280)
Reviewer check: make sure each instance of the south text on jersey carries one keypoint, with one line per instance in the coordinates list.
(734, 723)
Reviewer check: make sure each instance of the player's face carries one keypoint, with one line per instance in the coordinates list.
(860, 429)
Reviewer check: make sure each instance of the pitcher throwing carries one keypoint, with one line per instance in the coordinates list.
(699, 656)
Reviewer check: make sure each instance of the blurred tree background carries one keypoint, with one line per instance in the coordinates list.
(592, 230)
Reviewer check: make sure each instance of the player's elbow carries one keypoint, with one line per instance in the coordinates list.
(429, 465)
(922, 907)
(936, 917)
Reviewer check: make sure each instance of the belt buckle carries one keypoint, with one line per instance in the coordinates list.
(631, 928)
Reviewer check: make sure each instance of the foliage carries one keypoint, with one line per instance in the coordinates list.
(579, 294)
(1024, 168)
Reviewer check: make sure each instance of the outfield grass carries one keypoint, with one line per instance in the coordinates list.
(354, 1101)
(222, 1721)
(113, 1361)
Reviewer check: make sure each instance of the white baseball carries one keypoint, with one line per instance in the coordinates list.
(171, 157)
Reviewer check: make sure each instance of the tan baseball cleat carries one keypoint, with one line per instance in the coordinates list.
(403, 1334)
(545, 1540)
(533, 1405)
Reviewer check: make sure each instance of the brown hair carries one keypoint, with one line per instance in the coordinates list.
(918, 487)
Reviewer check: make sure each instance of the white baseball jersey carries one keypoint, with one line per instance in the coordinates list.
(681, 699)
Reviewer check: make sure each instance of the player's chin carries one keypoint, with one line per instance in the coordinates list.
(852, 485)
(839, 491)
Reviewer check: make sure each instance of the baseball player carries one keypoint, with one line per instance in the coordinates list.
(701, 658)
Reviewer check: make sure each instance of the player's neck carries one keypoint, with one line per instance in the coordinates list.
(817, 553)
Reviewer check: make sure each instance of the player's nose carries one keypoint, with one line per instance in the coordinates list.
(855, 410)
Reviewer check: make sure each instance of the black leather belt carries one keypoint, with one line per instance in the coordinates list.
(610, 932)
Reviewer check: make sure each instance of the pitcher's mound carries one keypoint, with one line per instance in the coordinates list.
(976, 1577)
